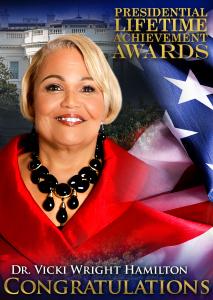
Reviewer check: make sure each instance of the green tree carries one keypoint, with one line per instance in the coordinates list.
(8, 90)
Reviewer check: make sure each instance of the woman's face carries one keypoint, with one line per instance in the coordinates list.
(68, 105)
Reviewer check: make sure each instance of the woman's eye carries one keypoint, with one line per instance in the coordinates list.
(88, 89)
(53, 88)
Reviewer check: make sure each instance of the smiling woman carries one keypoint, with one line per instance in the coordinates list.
(75, 191)
(68, 92)
(67, 104)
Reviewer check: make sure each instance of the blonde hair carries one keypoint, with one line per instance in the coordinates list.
(97, 67)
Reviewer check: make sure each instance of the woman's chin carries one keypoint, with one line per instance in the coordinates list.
(72, 142)
(68, 142)
(69, 138)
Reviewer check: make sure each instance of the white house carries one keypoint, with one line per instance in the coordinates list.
(20, 41)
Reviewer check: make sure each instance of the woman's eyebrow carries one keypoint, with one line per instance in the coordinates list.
(86, 78)
(53, 76)
(63, 79)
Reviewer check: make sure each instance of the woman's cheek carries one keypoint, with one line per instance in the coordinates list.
(46, 105)
(95, 107)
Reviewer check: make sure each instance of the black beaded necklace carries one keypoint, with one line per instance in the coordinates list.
(48, 184)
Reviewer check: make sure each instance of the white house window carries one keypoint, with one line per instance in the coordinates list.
(37, 32)
(14, 69)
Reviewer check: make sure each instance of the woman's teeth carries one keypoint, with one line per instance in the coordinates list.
(73, 120)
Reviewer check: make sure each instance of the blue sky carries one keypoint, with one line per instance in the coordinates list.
(87, 8)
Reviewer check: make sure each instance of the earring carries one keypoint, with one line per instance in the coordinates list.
(34, 139)
(33, 131)
(101, 133)
(101, 137)
(29, 142)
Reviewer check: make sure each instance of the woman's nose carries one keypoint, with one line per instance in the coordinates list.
(71, 99)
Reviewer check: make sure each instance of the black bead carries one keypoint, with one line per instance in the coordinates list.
(51, 180)
(93, 177)
(96, 164)
(63, 189)
(48, 203)
(88, 174)
(35, 178)
(44, 187)
(83, 186)
(74, 181)
(42, 171)
(73, 202)
(78, 184)
(85, 173)
(34, 164)
(61, 215)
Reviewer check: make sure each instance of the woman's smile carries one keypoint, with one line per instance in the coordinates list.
(70, 119)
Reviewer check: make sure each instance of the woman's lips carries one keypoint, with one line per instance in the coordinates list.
(70, 120)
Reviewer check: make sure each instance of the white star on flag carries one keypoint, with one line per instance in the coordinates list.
(210, 166)
(177, 132)
(193, 90)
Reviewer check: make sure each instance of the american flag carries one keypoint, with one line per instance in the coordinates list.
(184, 89)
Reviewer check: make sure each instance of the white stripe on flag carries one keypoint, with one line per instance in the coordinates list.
(196, 254)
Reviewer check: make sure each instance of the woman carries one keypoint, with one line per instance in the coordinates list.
(73, 196)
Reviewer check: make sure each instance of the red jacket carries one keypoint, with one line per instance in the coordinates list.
(111, 222)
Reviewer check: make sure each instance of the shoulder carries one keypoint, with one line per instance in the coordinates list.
(11, 151)
(11, 146)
